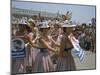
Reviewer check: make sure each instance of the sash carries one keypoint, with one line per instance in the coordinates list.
(78, 51)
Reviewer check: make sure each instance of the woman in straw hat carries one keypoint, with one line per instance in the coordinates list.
(65, 60)
(43, 61)
(19, 64)
(55, 35)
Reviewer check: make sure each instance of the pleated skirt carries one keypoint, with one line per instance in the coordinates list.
(65, 63)
(43, 63)
(18, 66)
(31, 55)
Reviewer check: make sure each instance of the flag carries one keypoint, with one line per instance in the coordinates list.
(78, 51)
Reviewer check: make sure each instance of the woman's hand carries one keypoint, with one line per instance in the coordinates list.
(38, 36)
(27, 37)
(49, 37)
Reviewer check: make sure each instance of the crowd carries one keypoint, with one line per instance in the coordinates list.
(48, 44)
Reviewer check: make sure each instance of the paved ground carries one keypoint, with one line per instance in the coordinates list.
(89, 61)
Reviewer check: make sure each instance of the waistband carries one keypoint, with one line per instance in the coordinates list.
(43, 50)
(67, 49)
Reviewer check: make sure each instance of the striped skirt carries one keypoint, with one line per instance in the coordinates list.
(43, 62)
(18, 66)
(65, 63)
(31, 55)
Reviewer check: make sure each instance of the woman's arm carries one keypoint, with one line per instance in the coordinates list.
(49, 47)
(36, 38)
(32, 44)
(29, 39)
(54, 42)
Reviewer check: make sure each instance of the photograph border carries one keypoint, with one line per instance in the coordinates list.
(51, 3)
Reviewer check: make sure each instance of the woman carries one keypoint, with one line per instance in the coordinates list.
(65, 60)
(55, 37)
(43, 61)
(19, 64)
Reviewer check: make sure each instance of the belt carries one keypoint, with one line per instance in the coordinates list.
(43, 50)
(67, 49)
(66, 52)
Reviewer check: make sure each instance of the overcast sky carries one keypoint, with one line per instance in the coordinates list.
(81, 13)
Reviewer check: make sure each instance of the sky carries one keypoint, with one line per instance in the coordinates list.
(81, 13)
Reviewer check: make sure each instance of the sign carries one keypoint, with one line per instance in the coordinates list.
(18, 48)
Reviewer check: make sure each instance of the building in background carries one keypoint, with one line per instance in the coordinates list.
(18, 13)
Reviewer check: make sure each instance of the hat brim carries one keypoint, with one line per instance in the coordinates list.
(44, 27)
(69, 26)
(22, 23)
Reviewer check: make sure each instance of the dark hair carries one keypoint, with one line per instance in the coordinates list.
(25, 27)
(64, 29)
(28, 28)
(41, 29)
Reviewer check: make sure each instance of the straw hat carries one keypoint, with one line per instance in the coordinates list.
(44, 25)
(66, 22)
(68, 25)
(56, 22)
(23, 22)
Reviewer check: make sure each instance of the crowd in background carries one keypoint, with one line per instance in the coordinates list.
(86, 34)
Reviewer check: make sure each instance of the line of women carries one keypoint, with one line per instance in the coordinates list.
(44, 51)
